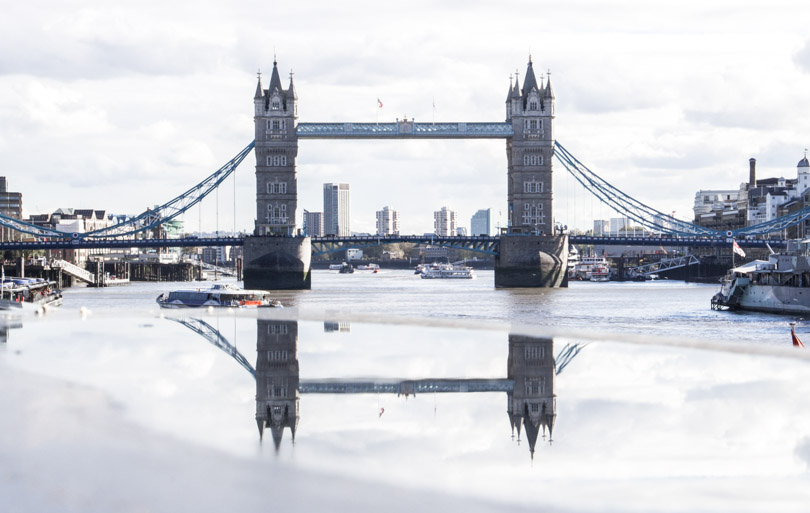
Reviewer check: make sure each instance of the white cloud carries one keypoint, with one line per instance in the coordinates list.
(155, 96)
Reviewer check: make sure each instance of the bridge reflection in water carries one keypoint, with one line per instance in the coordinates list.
(529, 385)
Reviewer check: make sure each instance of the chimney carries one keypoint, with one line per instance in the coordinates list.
(752, 177)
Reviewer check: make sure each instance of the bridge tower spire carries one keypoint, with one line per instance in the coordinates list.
(275, 120)
(529, 154)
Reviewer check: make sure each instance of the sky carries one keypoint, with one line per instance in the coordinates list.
(124, 105)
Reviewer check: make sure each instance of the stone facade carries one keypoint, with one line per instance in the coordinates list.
(274, 263)
(529, 154)
(275, 121)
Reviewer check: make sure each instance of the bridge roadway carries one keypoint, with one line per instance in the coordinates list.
(323, 245)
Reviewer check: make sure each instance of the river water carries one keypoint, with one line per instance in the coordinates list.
(661, 308)
(636, 427)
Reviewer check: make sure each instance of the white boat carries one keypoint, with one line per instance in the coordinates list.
(592, 268)
(219, 295)
(335, 267)
(447, 271)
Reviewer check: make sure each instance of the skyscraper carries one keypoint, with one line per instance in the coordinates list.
(481, 223)
(387, 222)
(444, 222)
(336, 211)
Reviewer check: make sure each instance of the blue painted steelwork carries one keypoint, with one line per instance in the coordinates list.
(479, 244)
(625, 205)
(216, 338)
(404, 129)
(405, 387)
(150, 219)
(324, 245)
(79, 243)
(658, 221)
(673, 241)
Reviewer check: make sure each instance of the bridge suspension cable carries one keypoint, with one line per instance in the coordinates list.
(625, 205)
(147, 220)
(659, 221)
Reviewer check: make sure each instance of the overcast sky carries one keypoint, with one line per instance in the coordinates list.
(124, 105)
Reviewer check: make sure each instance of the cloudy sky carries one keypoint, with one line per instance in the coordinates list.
(124, 105)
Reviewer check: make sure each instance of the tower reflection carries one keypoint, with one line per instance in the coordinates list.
(532, 403)
(277, 378)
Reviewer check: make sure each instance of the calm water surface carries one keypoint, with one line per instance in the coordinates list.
(656, 308)
(640, 428)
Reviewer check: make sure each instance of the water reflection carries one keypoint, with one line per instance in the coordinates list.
(529, 384)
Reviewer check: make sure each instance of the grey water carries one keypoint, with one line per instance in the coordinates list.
(660, 308)
(641, 427)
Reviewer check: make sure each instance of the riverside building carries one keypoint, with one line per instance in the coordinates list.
(387, 222)
(444, 222)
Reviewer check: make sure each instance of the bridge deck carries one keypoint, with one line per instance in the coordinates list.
(404, 129)
(482, 244)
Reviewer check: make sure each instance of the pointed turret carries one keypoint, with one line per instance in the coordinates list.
(291, 90)
(259, 90)
(260, 423)
(275, 80)
(530, 82)
(549, 93)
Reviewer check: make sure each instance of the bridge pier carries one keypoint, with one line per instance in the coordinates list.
(273, 263)
(534, 261)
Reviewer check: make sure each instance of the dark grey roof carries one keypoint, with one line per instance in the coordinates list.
(529, 83)
(803, 162)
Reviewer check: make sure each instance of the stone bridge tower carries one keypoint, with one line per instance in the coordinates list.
(275, 120)
(529, 154)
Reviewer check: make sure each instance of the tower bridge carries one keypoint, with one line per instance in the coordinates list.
(538, 259)
(530, 253)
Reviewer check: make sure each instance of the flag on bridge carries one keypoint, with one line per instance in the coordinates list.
(379, 102)
(737, 249)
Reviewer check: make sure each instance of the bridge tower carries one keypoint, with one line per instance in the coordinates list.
(275, 258)
(275, 120)
(529, 154)
(531, 254)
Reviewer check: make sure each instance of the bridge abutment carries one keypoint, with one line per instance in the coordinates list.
(533, 261)
(273, 263)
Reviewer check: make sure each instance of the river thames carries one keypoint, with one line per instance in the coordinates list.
(112, 395)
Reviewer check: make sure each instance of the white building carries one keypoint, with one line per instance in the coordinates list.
(387, 222)
(444, 222)
(481, 223)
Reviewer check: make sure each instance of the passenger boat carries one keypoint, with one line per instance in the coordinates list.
(219, 295)
(447, 271)
(35, 291)
(592, 268)
(780, 284)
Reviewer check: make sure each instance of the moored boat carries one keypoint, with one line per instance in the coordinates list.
(219, 295)
(780, 284)
(35, 291)
(591, 268)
